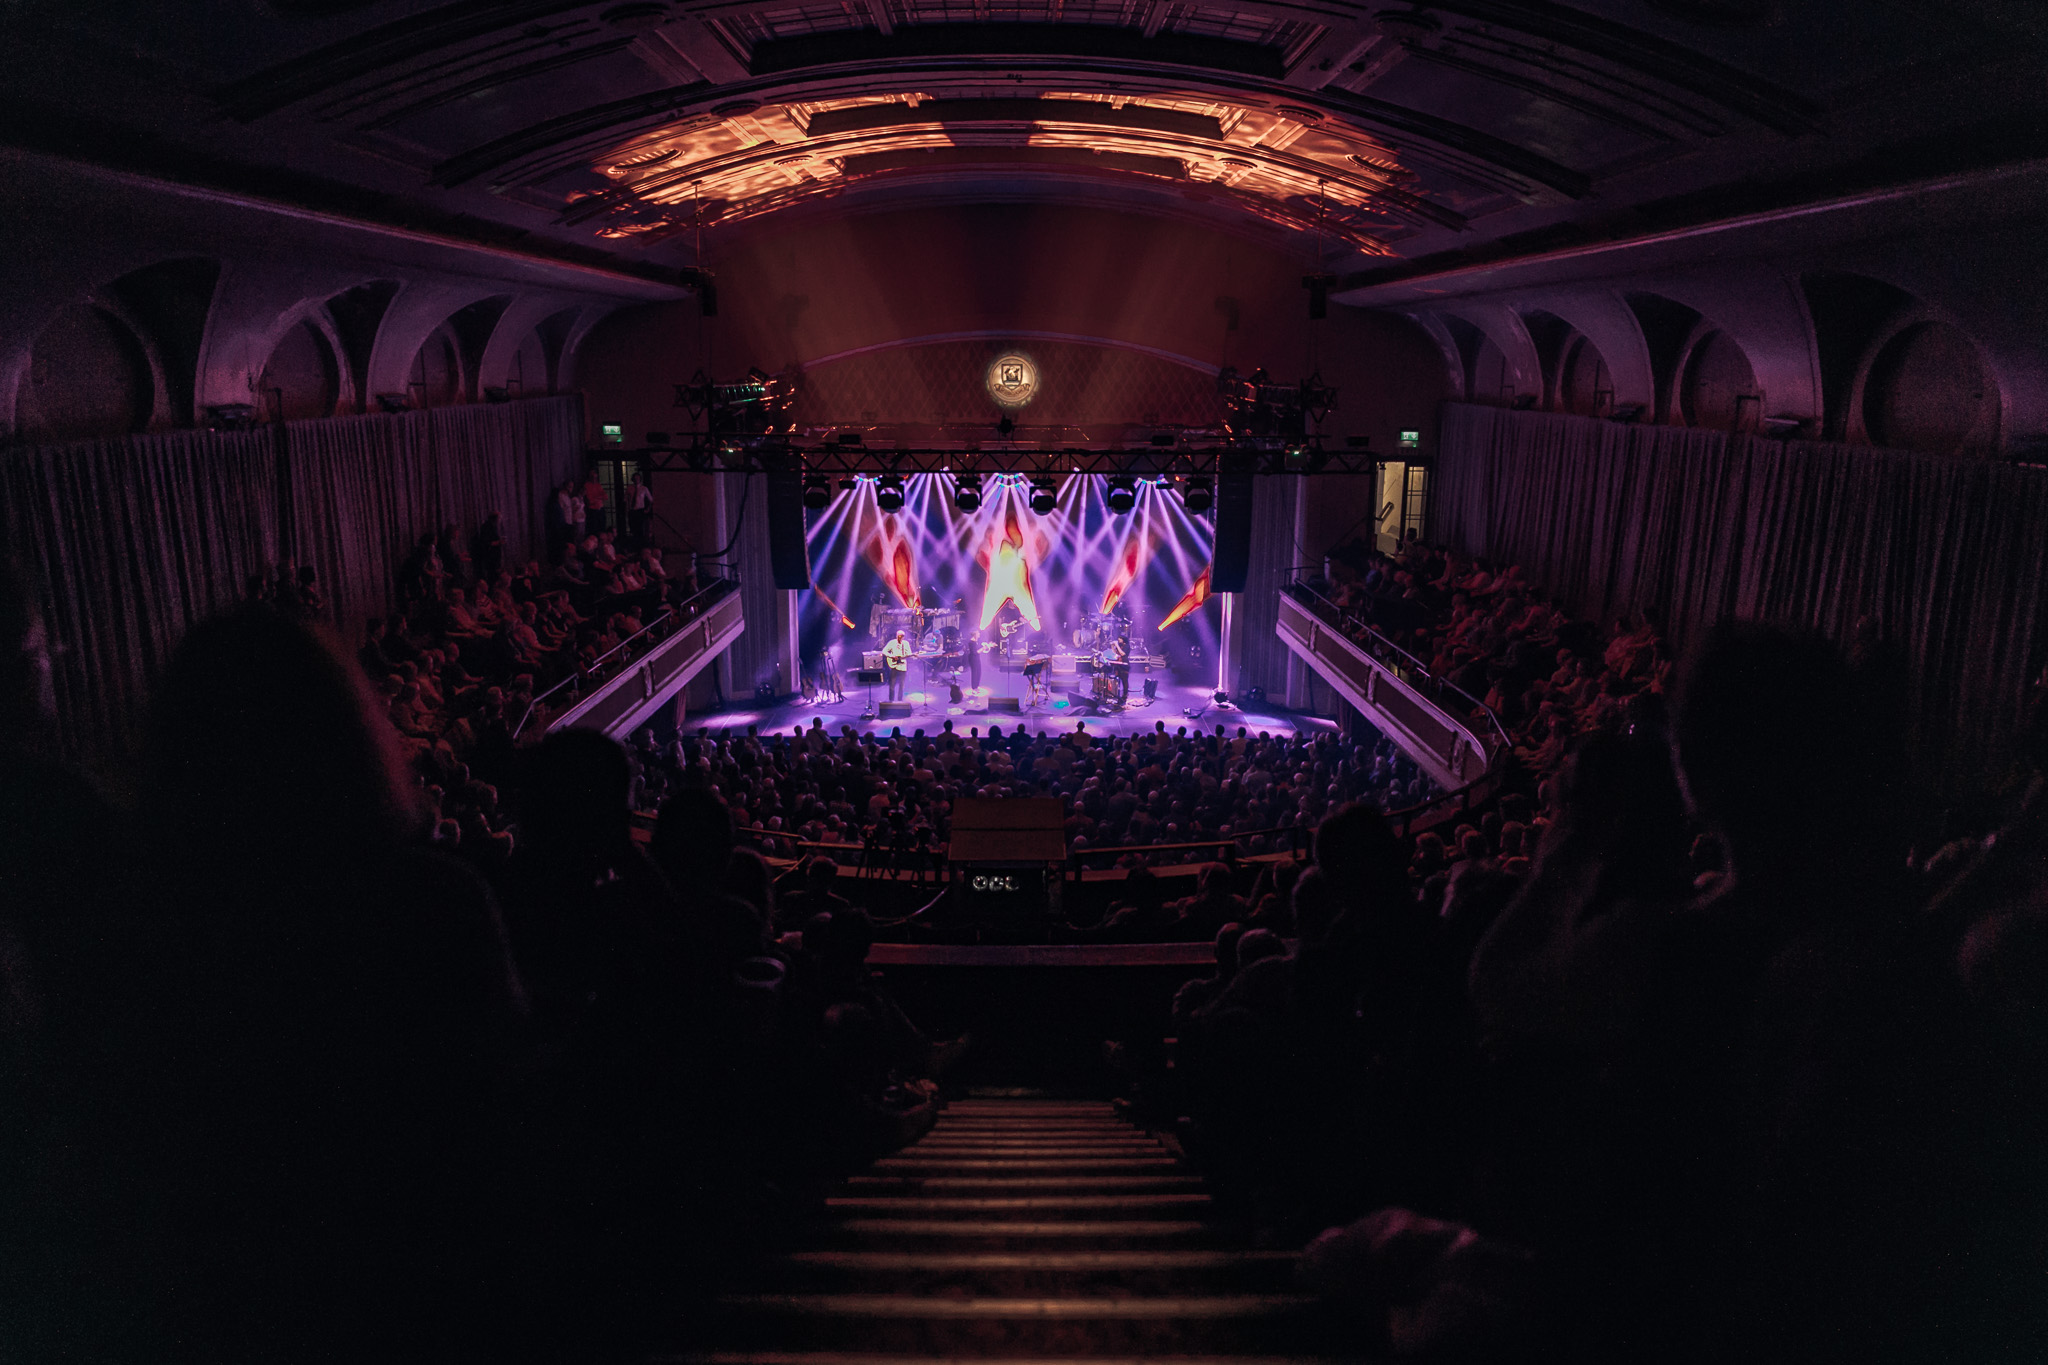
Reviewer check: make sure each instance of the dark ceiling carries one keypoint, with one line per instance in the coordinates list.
(1372, 137)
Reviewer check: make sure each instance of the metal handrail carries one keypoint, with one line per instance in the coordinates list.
(1407, 667)
(689, 609)
(1417, 675)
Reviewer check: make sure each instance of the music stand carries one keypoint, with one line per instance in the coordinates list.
(870, 678)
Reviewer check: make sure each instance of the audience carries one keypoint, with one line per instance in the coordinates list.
(1680, 1050)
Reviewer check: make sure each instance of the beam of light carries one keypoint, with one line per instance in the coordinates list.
(1009, 572)
(1066, 560)
(1195, 596)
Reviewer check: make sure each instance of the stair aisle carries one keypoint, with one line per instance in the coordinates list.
(1021, 1230)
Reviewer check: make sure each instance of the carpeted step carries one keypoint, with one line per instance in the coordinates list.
(943, 1234)
(1027, 1207)
(1083, 1325)
(1055, 1274)
(1002, 1183)
(907, 1164)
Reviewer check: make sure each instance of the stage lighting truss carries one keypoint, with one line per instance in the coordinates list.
(1000, 468)
(756, 406)
(889, 493)
(1198, 493)
(1256, 407)
(1122, 494)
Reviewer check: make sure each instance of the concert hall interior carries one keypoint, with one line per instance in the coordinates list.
(856, 682)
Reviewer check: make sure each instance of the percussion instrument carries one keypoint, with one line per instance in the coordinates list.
(1083, 637)
(1110, 689)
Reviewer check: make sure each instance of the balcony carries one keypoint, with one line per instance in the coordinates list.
(1452, 737)
(637, 678)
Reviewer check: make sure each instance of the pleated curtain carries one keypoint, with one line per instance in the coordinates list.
(130, 541)
(1702, 526)
(363, 490)
(1262, 655)
(133, 539)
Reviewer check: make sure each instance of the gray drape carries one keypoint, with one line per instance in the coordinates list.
(1700, 526)
(1262, 657)
(754, 654)
(364, 489)
(133, 539)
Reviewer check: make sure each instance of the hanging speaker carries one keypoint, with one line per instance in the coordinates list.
(1232, 561)
(786, 554)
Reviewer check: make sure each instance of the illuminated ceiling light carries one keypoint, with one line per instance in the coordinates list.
(967, 493)
(1044, 496)
(817, 492)
(1122, 495)
(1199, 494)
(889, 493)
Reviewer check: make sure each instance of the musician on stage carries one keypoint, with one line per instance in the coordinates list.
(828, 677)
(896, 658)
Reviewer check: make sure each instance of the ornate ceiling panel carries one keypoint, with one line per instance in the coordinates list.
(1403, 127)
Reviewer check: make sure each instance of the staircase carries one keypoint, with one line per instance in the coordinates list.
(1020, 1230)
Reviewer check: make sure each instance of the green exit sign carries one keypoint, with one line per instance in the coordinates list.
(1411, 440)
(614, 434)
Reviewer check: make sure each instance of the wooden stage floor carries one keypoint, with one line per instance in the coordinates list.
(930, 712)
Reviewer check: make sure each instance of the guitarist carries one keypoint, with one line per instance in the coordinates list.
(896, 658)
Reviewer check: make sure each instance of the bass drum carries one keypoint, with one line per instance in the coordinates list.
(1084, 637)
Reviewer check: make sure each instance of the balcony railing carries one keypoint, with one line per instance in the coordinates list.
(1452, 735)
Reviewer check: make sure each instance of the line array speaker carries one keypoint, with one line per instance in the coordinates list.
(787, 555)
(1232, 562)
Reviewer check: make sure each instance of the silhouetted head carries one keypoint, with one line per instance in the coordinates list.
(1259, 943)
(1773, 745)
(693, 839)
(1357, 850)
(748, 876)
(28, 700)
(573, 790)
(1226, 947)
(263, 735)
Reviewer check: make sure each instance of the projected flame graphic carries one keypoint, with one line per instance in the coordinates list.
(1195, 597)
(1059, 569)
(1009, 574)
(1127, 565)
(889, 552)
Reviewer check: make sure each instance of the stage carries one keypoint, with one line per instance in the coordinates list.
(930, 712)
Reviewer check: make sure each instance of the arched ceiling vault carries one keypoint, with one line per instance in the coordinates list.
(1403, 128)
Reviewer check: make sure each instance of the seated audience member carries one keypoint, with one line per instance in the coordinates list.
(318, 1118)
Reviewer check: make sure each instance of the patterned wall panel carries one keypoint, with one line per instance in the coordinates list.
(1080, 385)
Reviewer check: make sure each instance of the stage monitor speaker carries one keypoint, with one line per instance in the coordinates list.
(895, 710)
(786, 554)
(1005, 705)
(1080, 703)
(1231, 563)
